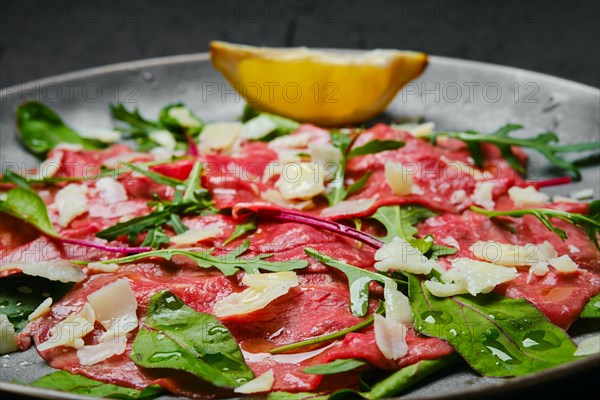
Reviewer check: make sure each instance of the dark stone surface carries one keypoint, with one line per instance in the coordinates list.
(44, 38)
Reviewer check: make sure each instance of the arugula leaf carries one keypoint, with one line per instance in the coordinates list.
(283, 126)
(155, 176)
(180, 120)
(21, 295)
(335, 367)
(358, 280)
(228, 263)
(82, 385)
(400, 221)
(176, 336)
(133, 118)
(242, 229)
(343, 142)
(27, 206)
(592, 308)
(375, 146)
(330, 336)
(496, 335)
(590, 224)
(406, 377)
(42, 129)
(542, 143)
(155, 238)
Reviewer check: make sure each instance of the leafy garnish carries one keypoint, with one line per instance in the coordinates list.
(282, 126)
(335, 367)
(497, 336)
(337, 190)
(21, 295)
(296, 396)
(358, 280)
(26, 205)
(228, 263)
(592, 308)
(193, 200)
(177, 337)
(42, 129)
(400, 221)
(542, 143)
(82, 385)
(242, 229)
(155, 176)
(330, 336)
(590, 224)
(180, 120)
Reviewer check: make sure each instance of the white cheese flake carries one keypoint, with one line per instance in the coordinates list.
(482, 195)
(390, 337)
(346, 207)
(421, 131)
(275, 197)
(513, 255)
(527, 196)
(257, 128)
(184, 117)
(262, 383)
(564, 264)
(115, 307)
(397, 305)
(301, 181)
(219, 137)
(538, 269)
(71, 202)
(588, 346)
(193, 236)
(111, 191)
(62, 271)
(262, 290)
(103, 267)
(41, 310)
(94, 354)
(8, 336)
(163, 138)
(402, 256)
(70, 331)
(399, 177)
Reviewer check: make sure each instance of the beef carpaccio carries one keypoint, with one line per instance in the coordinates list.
(265, 235)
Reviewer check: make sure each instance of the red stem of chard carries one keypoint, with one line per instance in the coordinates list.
(192, 147)
(332, 226)
(563, 180)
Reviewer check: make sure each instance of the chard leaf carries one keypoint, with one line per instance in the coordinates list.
(27, 206)
(335, 367)
(375, 146)
(406, 377)
(82, 385)
(592, 308)
(42, 129)
(228, 263)
(496, 335)
(358, 280)
(242, 229)
(176, 336)
(21, 295)
(544, 143)
(590, 224)
(400, 221)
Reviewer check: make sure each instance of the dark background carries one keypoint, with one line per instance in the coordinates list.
(44, 38)
(562, 38)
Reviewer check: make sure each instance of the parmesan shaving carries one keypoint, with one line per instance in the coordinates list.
(41, 310)
(110, 190)
(219, 137)
(93, 354)
(588, 346)
(564, 264)
(71, 202)
(62, 271)
(70, 331)
(193, 236)
(262, 383)
(300, 181)
(402, 256)
(399, 177)
(390, 337)
(115, 307)
(513, 255)
(346, 207)
(527, 196)
(102, 267)
(482, 195)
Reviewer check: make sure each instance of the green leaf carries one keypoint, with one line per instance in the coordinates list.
(155, 176)
(176, 336)
(406, 377)
(335, 367)
(79, 384)
(543, 143)
(11, 177)
(590, 224)
(21, 295)
(358, 280)
(27, 206)
(228, 263)
(179, 119)
(192, 183)
(496, 335)
(359, 184)
(155, 238)
(42, 129)
(592, 308)
(135, 225)
(178, 226)
(296, 396)
(242, 229)
(330, 336)
(132, 118)
(375, 146)
(283, 126)
(338, 190)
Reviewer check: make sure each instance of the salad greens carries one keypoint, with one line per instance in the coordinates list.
(592, 308)
(335, 367)
(400, 221)
(26, 205)
(590, 224)
(343, 142)
(241, 229)
(497, 336)
(543, 143)
(42, 129)
(177, 337)
(79, 384)
(228, 263)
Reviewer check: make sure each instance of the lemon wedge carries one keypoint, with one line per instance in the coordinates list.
(318, 86)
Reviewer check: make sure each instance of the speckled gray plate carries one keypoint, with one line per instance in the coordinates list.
(454, 94)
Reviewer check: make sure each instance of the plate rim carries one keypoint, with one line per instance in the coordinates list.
(536, 378)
